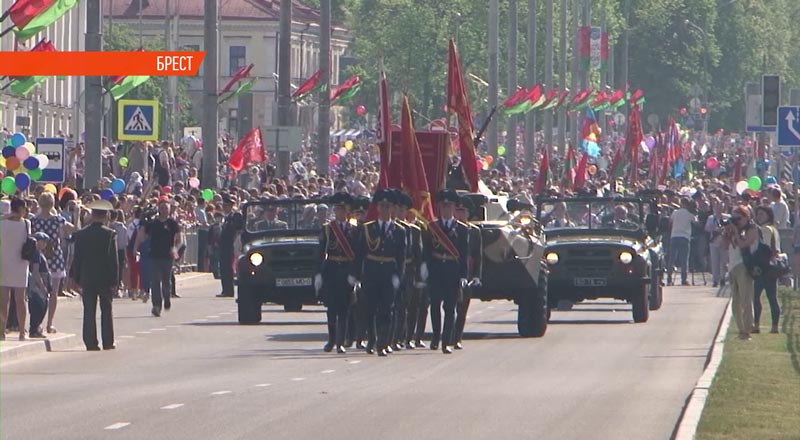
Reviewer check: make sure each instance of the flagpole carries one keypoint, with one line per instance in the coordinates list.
(548, 72)
(494, 25)
(562, 72)
(530, 119)
(511, 136)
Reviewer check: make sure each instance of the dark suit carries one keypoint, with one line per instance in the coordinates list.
(95, 268)
(414, 309)
(475, 267)
(446, 271)
(335, 267)
(380, 256)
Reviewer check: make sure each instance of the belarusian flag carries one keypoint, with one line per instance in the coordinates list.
(617, 168)
(347, 89)
(599, 102)
(23, 11)
(580, 100)
(128, 83)
(310, 86)
(637, 97)
(515, 103)
(543, 179)
(617, 99)
(551, 99)
(534, 98)
(562, 99)
(593, 48)
(240, 74)
(37, 16)
(243, 87)
(23, 85)
(568, 175)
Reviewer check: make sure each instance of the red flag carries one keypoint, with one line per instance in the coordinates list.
(544, 173)
(250, 149)
(458, 103)
(580, 173)
(23, 11)
(240, 74)
(44, 45)
(414, 179)
(345, 86)
(634, 140)
(114, 80)
(309, 85)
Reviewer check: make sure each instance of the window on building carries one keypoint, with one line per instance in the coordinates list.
(238, 55)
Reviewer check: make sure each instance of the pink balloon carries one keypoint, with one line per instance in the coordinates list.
(712, 163)
(166, 189)
(333, 159)
(22, 153)
(194, 182)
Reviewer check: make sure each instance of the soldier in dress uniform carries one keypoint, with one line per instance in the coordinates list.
(381, 256)
(446, 249)
(335, 282)
(95, 269)
(413, 259)
(464, 211)
(356, 321)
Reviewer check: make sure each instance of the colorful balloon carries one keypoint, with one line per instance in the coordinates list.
(30, 147)
(501, 150)
(35, 174)
(194, 182)
(23, 181)
(43, 161)
(50, 188)
(712, 163)
(118, 186)
(741, 187)
(31, 163)
(488, 159)
(8, 185)
(771, 180)
(754, 183)
(9, 151)
(361, 110)
(18, 139)
(348, 144)
(123, 162)
(22, 153)
(342, 151)
(106, 194)
(207, 194)
(12, 163)
(333, 159)
(2, 162)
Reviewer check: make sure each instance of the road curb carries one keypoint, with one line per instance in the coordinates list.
(693, 410)
(14, 351)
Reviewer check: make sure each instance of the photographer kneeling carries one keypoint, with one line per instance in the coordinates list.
(741, 235)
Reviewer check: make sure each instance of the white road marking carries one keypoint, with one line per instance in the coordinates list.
(490, 307)
(212, 316)
(479, 311)
(262, 385)
(200, 320)
(117, 425)
(219, 393)
(158, 329)
(327, 371)
(297, 379)
(126, 337)
(226, 313)
(173, 326)
(172, 406)
(144, 333)
(354, 362)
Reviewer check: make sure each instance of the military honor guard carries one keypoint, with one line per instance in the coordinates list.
(465, 211)
(356, 321)
(95, 269)
(446, 250)
(381, 256)
(335, 282)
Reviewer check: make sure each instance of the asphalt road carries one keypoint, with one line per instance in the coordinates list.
(195, 374)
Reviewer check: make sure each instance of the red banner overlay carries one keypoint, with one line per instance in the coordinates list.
(100, 63)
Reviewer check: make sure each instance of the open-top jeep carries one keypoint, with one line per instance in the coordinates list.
(603, 248)
(281, 255)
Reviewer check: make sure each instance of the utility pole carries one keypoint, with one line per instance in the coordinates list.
(94, 100)
(511, 138)
(530, 118)
(548, 71)
(494, 36)
(601, 116)
(562, 73)
(587, 21)
(576, 65)
(324, 133)
(625, 48)
(210, 107)
(285, 80)
(166, 105)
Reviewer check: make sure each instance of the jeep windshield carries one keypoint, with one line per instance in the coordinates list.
(600, 214)
(286, 216)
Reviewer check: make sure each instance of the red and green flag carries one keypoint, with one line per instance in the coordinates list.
(240, 74)
(543, 179)
(516, 103)
(617, 168)
(241, 88)
(239, 83)
(636, 98)
(593, 48)
(119, 86)
(346, 90)
(568, 176)
(309, 87)
(550, 99)
(33, 16)
(617, 99)
(562, 99)
(581, 99)
(22, 86)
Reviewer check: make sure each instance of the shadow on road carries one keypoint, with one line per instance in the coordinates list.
(274, 323)
(298, 337)
(470, 336)
(587, 321)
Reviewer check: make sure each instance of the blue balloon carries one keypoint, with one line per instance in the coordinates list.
(18, 139)
(771, 180)
(106, 194)
(31, 163)
(23, 181)
(9, 152)
(118, 186)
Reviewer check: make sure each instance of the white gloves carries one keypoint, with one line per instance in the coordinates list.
(351, 280)
(318, 282)
(463, 283)
(423, 271)
(395, 282)
(476, 282)
(419, 285)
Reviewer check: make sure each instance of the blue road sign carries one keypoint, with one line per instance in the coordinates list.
(138, 120)
(53, 148)
(789, 126)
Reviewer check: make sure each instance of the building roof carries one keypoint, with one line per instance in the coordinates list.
(228, 9)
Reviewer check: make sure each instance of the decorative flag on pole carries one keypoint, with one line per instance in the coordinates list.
(593, 48)
(414, 180)
(634, 140)
(568, 177)
(590, 134)
(580, 99)
(544, 174)
(250, 149)
(240, 74)
(22, 86)
(347, 89)
(23, 11)
(243, 87)
(119, 90)
(551, 99)
(516, 103)
(36, 15)
(458, 103)
(580, 173)
(309, 87)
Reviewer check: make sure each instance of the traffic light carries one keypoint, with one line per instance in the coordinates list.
(771, 99)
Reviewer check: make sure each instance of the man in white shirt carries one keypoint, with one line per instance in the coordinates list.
(679, 246)
(780, 208)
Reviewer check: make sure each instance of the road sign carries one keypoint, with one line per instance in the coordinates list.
(789, 126)
(193, 131)
(53, 148)
(284, 138)
(137, 120)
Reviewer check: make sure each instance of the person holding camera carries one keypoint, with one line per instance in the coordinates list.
(717, 249)
(740, 235)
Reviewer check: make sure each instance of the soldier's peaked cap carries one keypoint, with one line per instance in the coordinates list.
(384, 195)
(341, 198)
(447, 196)
(361, 203)
(404, 199)
(466, 203)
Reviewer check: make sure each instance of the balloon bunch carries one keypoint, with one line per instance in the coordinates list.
(19, 157)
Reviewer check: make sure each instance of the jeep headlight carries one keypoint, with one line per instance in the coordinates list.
(625, 257)
(525, 220)
(551, 258)
(256, 259)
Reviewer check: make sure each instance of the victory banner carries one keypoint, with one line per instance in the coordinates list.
(434, 147)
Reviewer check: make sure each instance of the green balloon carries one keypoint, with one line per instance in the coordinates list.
(501, 150)
(8, 186)
(9, 143)
(123, 162)
(754, 183)
(207, 194)
(35, 174)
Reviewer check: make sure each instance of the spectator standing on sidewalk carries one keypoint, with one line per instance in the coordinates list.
(769, 236)
(718, 249)
(38, 286)
(780, 208)
(14, 230)
(118, 225)
(681, 236)
(741, 234)
(165, 238)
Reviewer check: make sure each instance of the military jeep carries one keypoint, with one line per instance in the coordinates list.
(280, 256)
(513, 265)
(603, 248)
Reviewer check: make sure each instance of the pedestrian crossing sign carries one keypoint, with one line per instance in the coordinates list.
(137, 120)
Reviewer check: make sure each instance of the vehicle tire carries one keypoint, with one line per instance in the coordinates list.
(292, 307)
(656, 297)
(640, 306)
(249, 306)
(533, 313)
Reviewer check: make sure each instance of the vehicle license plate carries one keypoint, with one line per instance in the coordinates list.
(292, 282)
(590, 282)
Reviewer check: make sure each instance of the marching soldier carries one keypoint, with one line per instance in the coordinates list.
(446, 249)
(409, 281)
(464, 211)
(356, 321)
(335, 281)
(381, 255)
